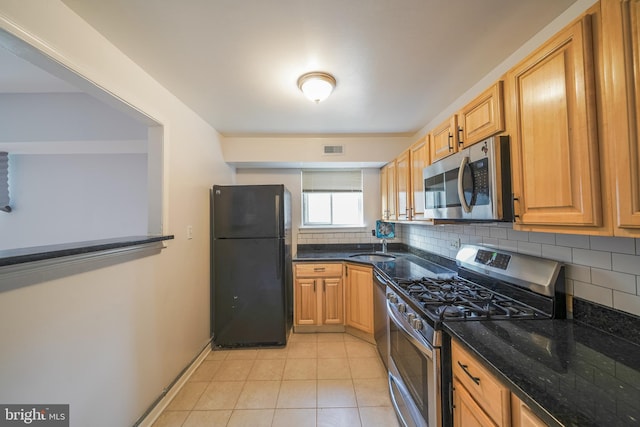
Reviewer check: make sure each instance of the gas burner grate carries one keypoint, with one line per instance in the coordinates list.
(458, 299)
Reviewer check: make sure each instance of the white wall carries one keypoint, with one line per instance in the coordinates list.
(51, 205)
(106, 336)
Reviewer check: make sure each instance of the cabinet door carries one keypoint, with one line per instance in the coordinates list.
(305, 302)
(384, 194)
(444, 139)
(482, 117)
(388, 191)
(621, 39)
(554, 135)
(332, 301)
(359, 297)
(419, 159)
(403, 185)
(466, 412)
(522, 415)
(492, 396)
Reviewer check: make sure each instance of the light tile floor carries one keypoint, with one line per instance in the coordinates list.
(318, 380)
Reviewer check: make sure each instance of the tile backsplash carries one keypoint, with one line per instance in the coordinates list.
(604, 270)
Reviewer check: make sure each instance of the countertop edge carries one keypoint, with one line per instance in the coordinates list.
(17, 257)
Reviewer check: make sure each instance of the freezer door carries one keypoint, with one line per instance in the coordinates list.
(248, 211)
(249, 292)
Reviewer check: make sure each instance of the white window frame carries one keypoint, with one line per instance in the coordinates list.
(331, 182)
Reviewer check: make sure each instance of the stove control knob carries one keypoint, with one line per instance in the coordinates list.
(392, 298)
(402, 308)
(417, 324)
(411, 317)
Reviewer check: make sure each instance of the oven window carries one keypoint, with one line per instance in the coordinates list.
(451, 188)
(416, 370)
(434, 192)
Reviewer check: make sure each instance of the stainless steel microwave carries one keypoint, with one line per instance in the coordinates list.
(471, 185)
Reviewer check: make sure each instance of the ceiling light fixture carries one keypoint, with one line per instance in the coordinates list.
(317, 85)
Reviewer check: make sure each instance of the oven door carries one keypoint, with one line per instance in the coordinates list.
(414, 374)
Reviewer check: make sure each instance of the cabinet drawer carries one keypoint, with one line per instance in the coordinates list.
(319, 270)
(491, 395)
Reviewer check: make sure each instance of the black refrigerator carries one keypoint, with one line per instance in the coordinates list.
(251, 277)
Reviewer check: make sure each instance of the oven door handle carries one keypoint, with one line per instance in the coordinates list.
(463, 165)
(420, 344)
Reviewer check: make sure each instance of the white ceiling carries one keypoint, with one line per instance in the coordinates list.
(397, 63)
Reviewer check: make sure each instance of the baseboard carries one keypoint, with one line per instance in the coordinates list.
(162, 404)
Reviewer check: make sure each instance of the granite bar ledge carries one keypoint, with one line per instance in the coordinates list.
(12, 257)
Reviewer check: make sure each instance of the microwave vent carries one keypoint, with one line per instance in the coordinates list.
(333, 150)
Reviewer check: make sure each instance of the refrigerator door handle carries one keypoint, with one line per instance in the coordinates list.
(278, 232)
(280, 258)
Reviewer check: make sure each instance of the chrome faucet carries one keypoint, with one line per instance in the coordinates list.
(384, 246)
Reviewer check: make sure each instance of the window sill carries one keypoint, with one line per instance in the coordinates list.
(331, 228)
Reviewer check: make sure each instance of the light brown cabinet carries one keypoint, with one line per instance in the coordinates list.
(403, 183)
(444, 139)
(318, 294)
(521, 415)
(482, 117)
(475, 384)
(466, 412)
(388, 191)
(419, 157)
(554, 136)
(621, 58)
(359, 297)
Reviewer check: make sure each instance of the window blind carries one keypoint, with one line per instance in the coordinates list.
(4, 182)
(333, 181)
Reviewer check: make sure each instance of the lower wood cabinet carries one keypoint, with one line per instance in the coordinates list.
(479, 398)
(466, 412)
(318, 295)
(359, 297)
(522, 416)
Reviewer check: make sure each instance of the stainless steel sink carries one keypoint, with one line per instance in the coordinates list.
(377, 257)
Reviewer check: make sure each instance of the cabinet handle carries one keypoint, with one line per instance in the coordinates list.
(466, 371)
(318, 269)
(450, 141)
(314, 286)
(460, 141)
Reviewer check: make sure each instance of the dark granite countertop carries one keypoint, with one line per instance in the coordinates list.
(406, 264)
(40, 253)
(569, 372)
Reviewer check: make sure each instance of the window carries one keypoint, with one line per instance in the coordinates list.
(332, 197)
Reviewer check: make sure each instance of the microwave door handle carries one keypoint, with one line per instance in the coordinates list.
(463, 164)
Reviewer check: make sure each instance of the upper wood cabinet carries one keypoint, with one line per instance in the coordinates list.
(482, 117)
(621, 58)
(388, 191)
(403, 184)
(554, 135)
(444, 139)
(419, 157)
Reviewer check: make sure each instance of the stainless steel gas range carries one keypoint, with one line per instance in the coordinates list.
(490, 284)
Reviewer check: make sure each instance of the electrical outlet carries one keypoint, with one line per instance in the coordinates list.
(189, 232)
(454, 243)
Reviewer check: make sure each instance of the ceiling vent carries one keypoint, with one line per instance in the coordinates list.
(333, 150)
